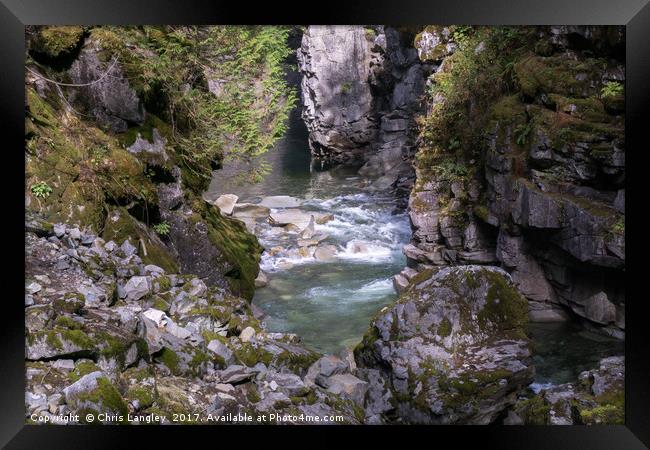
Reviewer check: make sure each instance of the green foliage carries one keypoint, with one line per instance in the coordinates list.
(162, 228)
(54, 41)
(461, 34)
(611, 89)
(465, 89)
(41, 189)
(522, 131)
(221, 87)
(450, 169)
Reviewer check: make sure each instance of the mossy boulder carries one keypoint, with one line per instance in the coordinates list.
(218, 249)
(94, 394)
(59, 343)
(455, 347)
(56, 41)
(120, 226)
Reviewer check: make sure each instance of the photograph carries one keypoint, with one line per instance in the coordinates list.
(321, 224)
(325, 224)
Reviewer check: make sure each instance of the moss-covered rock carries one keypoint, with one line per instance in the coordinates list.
(428, 345)
(120, 226)
(55, 41)
(94, 394)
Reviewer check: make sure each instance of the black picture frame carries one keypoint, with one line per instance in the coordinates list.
(15, 14)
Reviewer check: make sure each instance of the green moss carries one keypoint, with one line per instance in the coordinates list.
(296, 362)
(67, 322)
(144, 395)
(107, 397)
(170, 359)
(509, 110)
(53, 340)
(619, 226)
(253, 395)
(534, 411)
(78, 338)
(56, 40)
(199, 357)
(165, 282)
(249, 355)
(82, 368)
(610, 409)
(504, 307)
(556, 74)
(238, 247)
(444, 329)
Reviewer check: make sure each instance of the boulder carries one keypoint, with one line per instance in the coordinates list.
(347, 385)
(325, 253)
(290, 216)
(262, 280)
(250, 211)
(308, 231)
(226, 203)
(137, 287)
(95, 394)
(235, 374)
(61, 343)
(221, 350)
(280, 201)
(452, 349)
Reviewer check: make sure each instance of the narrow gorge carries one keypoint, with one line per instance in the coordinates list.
(436, 234)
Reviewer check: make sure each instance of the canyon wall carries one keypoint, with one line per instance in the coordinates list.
(361, 89)
(543, 195)
(539, 190)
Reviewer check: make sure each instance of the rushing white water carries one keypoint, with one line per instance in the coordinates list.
(330, 302)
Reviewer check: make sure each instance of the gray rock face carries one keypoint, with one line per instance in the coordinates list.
(111, 100)
(338, 110)
(361, 87)
(451, 350)
(554, 219)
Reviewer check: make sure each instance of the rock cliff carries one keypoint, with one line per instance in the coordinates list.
(537, 186)
(361, 87)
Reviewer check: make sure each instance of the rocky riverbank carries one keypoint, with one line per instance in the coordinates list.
(108, 334)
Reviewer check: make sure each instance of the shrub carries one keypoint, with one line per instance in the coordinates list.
(162, 228)
(41, 189)
(611, 89)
